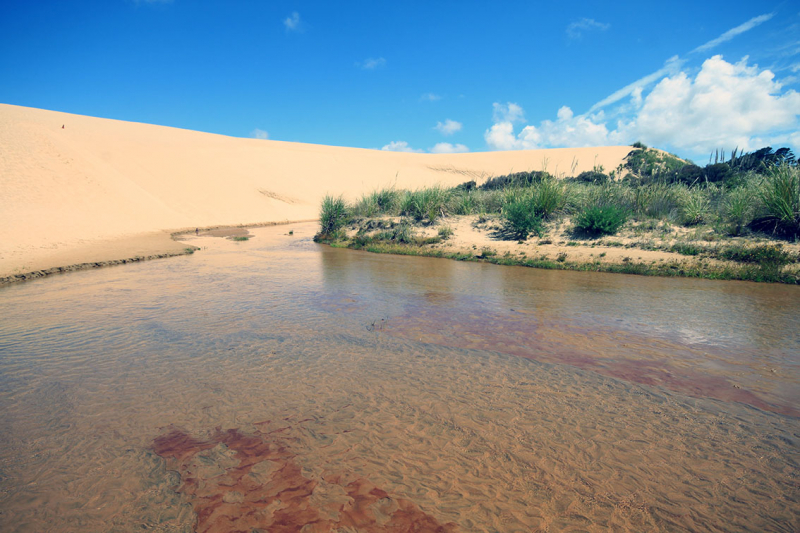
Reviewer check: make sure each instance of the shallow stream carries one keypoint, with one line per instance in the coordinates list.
(279, 385)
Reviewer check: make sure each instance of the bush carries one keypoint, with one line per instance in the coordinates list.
(718, 173)
(601, 220)
(639, 144)
(657, 201)
(737, 209)
(689, 175)
(429, 203)
(445, 232)
(333, 215)
(386, 200)
(780, 194)
(695, 207)
(550, 197)
(521, 219)
(592, 176)
(517, 179)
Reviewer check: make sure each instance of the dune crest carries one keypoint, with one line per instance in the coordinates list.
(82, 189)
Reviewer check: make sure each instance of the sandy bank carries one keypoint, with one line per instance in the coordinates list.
(98, 189)
(663, 250)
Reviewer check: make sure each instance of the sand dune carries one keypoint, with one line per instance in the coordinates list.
(99, 189)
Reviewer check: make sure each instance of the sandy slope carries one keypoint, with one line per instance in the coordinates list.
(102, 189)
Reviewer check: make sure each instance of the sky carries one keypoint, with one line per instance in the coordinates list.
(688, 77)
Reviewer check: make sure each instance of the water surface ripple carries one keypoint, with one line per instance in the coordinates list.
(279, 385)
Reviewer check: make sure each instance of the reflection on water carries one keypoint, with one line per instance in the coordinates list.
(278, 384)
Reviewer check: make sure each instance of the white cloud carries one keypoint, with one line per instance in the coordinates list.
(566, 130)
(448, 127)
(259, 134)
(438, 148)
(575, 29)
(447, 148)
(430, 97)
(509, 112)
(292, 22)
(400, 146)
(733, 32)
(725, 105)
(372, 63)
(672, 66)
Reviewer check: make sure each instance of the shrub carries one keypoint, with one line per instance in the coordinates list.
(646, 165)
(333, 215)
(386, 199)
(718, 173)
(429, 203)
(780, 194)
(695, 207)
(521, 219)
(550, 197)
(689, 175)
(517, 179)
(601, 219)
(737, 209)
(365, 207)
(657, 201)
(592, 176)
(445, 232)
(464, 204)
(639, 144)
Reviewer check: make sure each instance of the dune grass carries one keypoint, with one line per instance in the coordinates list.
(653, 190)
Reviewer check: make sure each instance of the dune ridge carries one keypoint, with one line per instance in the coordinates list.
(102, 190)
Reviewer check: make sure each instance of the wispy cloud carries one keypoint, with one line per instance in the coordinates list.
(733, 32)
(371, 63)
(259, 134)
(292, 22)
(448, 127)
(430, 97)
(575, 29)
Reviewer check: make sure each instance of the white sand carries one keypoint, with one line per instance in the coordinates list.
(100, 189)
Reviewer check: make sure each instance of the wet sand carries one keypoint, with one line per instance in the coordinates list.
(280, 383)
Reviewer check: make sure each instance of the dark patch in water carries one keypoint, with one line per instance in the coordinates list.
(242, 483)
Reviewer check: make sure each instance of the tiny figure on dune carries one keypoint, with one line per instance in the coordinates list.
(62, 126)
(197, 231)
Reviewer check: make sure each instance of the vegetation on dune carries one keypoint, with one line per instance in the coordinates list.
(748, 195)
(601, 219)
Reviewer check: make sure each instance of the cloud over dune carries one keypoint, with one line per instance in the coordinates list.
(724, 105)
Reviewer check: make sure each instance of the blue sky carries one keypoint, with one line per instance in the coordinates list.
(429, 76)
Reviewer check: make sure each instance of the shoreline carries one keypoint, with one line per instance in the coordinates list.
(468, 239)
(120, 251)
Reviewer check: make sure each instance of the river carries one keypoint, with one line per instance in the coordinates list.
(280, 385)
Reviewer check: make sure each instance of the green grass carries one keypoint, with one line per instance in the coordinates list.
(240, 238)
(601, 220)
(333, 215)
(659, 193)
(780, 195)
(521, 218)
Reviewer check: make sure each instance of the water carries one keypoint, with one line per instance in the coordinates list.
(278, 384)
